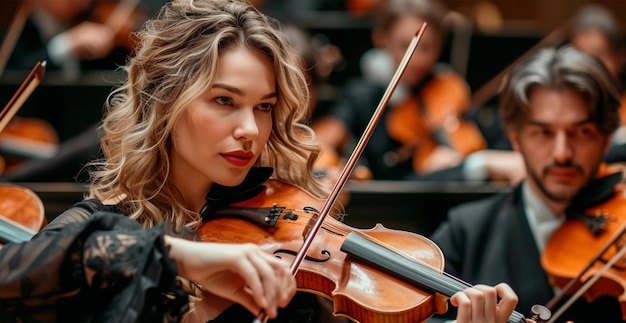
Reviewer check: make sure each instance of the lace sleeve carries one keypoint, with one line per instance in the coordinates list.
(85, 267)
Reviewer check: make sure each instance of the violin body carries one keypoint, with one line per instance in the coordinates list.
(353, 286)
(21, 213)
(25, 138)
(434, 117)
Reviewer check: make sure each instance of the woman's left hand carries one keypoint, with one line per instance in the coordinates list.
(485, 304)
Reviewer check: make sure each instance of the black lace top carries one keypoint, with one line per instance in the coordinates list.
(91, 264)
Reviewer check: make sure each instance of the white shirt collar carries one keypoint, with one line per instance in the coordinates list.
(543, 222)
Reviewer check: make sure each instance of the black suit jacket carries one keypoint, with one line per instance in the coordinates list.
(29, 49)
(489, 241)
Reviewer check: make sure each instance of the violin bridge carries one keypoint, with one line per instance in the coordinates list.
(315, 214)
(616, 244)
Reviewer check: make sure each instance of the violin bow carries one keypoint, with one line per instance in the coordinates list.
(13, 33)
(358, 150)
(356, 154)
(26, 88)
(491, 87)
(10, 230)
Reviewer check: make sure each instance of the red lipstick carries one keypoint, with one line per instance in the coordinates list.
(238, 158)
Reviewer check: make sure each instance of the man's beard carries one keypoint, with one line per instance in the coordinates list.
(559, 197)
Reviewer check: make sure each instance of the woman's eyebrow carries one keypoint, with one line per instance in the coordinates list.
(240, 92)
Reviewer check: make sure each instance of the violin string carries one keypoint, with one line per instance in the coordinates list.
(459, 280)
(588, 284)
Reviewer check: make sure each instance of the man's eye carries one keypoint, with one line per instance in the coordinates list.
(586, 131)
(546, 132)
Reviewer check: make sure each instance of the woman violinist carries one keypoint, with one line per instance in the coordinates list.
(423, 129)
(212, 91)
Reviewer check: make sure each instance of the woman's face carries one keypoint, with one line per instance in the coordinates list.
(221, 134)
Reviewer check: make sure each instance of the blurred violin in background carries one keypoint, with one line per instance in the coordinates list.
(27, 138)
(21, 214)
(433, 117)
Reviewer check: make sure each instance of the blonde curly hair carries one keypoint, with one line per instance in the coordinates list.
(173, 64)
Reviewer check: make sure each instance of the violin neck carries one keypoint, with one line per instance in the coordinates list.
(409, 270)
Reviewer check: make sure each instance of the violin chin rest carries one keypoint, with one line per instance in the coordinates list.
(220, 195)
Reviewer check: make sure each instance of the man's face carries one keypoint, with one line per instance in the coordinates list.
(562, 148)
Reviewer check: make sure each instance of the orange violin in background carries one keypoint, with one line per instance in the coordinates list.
(434, 117)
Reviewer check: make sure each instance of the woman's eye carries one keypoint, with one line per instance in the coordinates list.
(266, 106)
(223, 100)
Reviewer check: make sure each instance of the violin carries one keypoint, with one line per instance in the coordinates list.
(27, 138)
(585, 256)
(433, 117)
(371, 275)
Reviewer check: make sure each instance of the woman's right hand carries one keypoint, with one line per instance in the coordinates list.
(242, 273)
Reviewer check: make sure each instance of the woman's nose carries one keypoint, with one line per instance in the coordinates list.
(247, 127)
